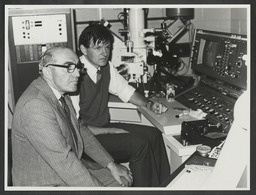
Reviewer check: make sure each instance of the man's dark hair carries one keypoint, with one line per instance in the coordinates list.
(97, 33)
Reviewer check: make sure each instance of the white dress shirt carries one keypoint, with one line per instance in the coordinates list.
(56, 93)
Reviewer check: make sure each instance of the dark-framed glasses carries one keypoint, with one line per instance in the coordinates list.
(70, 67)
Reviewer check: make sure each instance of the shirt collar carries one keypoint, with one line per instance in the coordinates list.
(56, 92)
(92, 70)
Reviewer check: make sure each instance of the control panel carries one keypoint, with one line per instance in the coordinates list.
(220, 55)
(39, 29)
(30, 33)
(213, 98)
(34, 34)
(218, 58)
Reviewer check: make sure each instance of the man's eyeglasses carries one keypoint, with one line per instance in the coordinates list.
(70, 67)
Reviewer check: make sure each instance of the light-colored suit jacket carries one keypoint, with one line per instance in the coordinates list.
(43, 149)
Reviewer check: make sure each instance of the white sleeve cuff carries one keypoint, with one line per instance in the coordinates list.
(126, 93)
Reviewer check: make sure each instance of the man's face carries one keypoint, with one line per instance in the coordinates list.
(62, 80)
(98, 54)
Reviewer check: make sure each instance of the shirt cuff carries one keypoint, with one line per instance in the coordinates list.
(127, 93)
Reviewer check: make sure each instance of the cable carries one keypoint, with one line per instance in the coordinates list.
(184, 66)
(120, 16)
(9, 107)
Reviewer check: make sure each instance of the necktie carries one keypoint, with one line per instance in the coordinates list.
(67, 112)
(98, 75)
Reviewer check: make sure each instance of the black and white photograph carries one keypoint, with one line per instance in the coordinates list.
(127, 97)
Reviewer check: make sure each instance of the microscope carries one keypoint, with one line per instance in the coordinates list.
(146, 57)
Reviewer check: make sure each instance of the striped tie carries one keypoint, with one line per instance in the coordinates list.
(98, 75)
(67, 112)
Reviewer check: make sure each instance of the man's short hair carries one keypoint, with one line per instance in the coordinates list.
(48, 56)
(96, 33)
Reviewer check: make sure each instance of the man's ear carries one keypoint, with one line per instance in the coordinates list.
(47, 72)
(83, 49)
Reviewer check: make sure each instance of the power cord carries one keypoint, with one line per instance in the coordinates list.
(10, 109)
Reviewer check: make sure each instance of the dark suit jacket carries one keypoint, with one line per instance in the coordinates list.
(43, 149)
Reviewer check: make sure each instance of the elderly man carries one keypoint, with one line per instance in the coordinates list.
(47, 144)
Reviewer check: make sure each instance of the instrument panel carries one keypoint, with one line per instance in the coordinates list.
(218, 59)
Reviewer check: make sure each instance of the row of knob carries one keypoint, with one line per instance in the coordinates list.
(206, 106)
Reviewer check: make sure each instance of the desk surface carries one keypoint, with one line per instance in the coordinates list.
(167, 122)
(115, 102)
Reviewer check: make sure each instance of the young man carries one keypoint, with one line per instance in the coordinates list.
(141, 146)
(47, 144)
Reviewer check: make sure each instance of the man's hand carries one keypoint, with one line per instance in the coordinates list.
(140, 100)
(156, 107)
(105, 130)
(121, 174)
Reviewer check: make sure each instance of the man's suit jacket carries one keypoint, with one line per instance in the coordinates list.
(43, 149)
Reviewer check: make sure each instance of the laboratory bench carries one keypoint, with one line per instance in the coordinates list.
(167, 123)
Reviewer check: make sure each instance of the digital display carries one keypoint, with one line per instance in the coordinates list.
(207, 52)
(220, 56)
